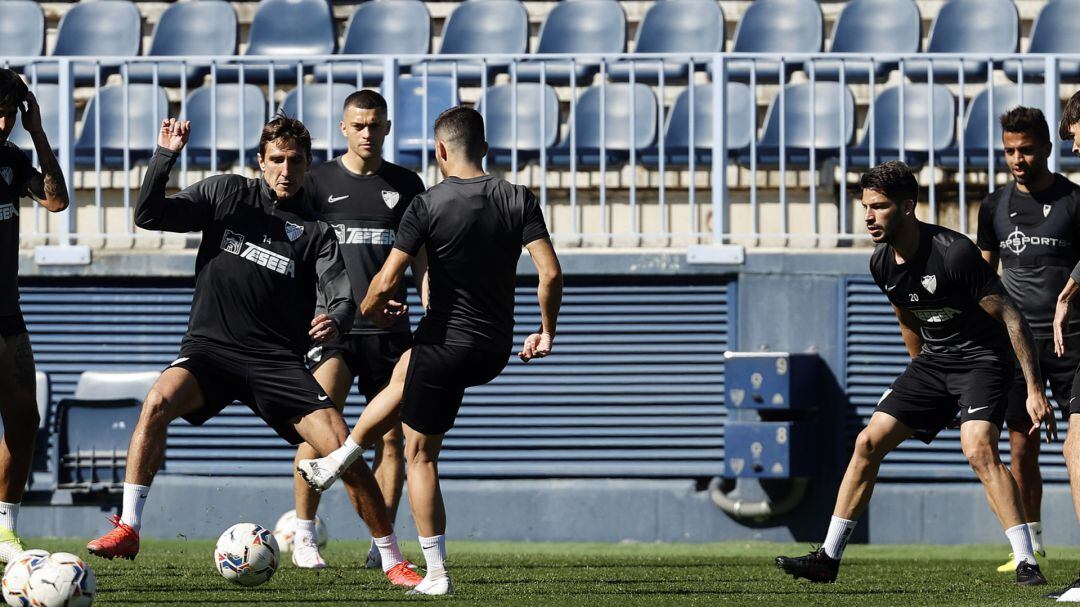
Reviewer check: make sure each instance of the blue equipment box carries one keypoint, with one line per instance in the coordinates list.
(770, 449)
(775, 381)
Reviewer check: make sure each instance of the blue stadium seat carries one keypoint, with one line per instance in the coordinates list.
(500, 108)
(104, 28)
(92, 441)
(48, 96)
(615, 112)
(189, 30)
(380, 27)
(577, 27)
(321, 115)
(290, 29)
(201, 106)
(741, 125)
(22, 30)
(916, 137)
(775, 26)
(480, 27)
(414, 135)
(979, 117)
(146, 106)
(871, 26)
(963, 27)
(829, 134)
(673, 26)
(1054, 31)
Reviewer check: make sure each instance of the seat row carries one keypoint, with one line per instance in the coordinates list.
(294, 29)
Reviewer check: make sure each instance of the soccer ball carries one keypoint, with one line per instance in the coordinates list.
(16, 582)
(247, 554)
(286, 528)
(62, 580)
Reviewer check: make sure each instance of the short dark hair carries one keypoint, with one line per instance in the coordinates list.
(289, 129)
(1028, 120)
(893, 179)
(1069, 116)
(365, 99)
(462, 127)
(12, 89)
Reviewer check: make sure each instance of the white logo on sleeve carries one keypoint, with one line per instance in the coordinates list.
(9, 176)
(332, 199)
(391, 198)
(293, 231)
(929, 282)
(889, 288)
(180, 360)
(7, 211)
(974, 409)
(234, 243)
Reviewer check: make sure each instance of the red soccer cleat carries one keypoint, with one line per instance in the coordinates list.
(123, 541)
(402, 575)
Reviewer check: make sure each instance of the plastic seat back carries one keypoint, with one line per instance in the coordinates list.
(584, 26)
(681, 26)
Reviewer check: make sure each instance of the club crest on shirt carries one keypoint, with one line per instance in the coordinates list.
(9, 176)
(1046, 210)
(929, 282)
(390, 198)
(293, 231)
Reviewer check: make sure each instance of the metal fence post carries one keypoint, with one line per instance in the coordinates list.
(719, 150)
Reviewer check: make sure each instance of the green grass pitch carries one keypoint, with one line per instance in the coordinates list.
(180, 572)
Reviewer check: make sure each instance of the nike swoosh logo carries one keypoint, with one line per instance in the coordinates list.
(888, 288)
(974, 409)
(321, 398)
(179, 360)
(1014, 213)
(332, 199)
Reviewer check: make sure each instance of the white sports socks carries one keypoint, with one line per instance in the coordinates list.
(9, 515)
(346, 454)
(1035, 531)
(837, 538)
(389, 551)
(1020, 540)
(434, 554)
(134, 500)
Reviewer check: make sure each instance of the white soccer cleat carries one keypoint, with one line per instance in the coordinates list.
(434, 586)
(305, 553)
(317, 474)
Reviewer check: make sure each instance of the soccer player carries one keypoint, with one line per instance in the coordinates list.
(957, 322)
(473, 226)
(18, 408)
(263, 256)
(362, 197)
(1033, 227)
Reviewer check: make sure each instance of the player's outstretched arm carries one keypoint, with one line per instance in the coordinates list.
(48, 186)
(378, 305)
(1001, 307)
(549, 293)
(1062, 313)
(188, 211)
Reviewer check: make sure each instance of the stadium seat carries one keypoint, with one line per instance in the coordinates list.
(480, 27)
(500, 108)
(615, 114)
(321, 115)
(775, 26)
(871, 26)
(104, 28)
(577, 27)
(979, 117)
(201, 105)
(673, 26)
(964, 27)
(92, 442)
(414, 135)
(106, 385)
(290, 29)
(916, 137)
(48, 96)
(22, 31)
(741, 125)
(1054, 31)
(145, 106)
(189, 30)
(829, 134)
(380, 27)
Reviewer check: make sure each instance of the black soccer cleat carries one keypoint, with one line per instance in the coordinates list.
(1028, 574)
(1057, 593)
(816, 566)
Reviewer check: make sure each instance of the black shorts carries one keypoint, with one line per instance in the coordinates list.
(278, 391)
(438, 376)
(929, 393)
(12, 324)
(370, 358)
(1059, 372)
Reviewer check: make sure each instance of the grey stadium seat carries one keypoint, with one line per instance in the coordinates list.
(500, 109)
(321, 115)
(189, 29)
(380, 27)
(741, 126)
(145, 106)
(871, 26)
(673, 26)
(829, 135)
(964, 27)
(89, 30)
(290, 29)
(48, 96)
(577, 27)
(415, 137)
(619, 136)
(483, 28)
(22, 30)
(979, 116)
(1054, 31)
(916, 136)
(775, 26)
(106, 385)
(201, 105)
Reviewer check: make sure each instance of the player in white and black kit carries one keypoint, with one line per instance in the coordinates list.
(363, 198)
(957, 323)
(263, 256)
(18, 178)
(473, 226)
(1032, 226)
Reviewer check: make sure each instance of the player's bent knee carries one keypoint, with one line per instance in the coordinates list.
(981, 456)
(866, 447)
(157, 409)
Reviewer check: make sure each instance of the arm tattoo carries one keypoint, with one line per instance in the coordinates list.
(23, 356)
(1002, 308)
(55, 185)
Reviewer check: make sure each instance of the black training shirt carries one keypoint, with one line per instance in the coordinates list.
(15, 174)
(259, 265)
(364, 212)
(942, 286)
(1037, 236)
(473, 230)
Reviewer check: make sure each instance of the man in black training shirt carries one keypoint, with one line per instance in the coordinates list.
(1033, 227)
(957, 323)
(362, 197)
(18, 178)
(263, 256)
(473, 226)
